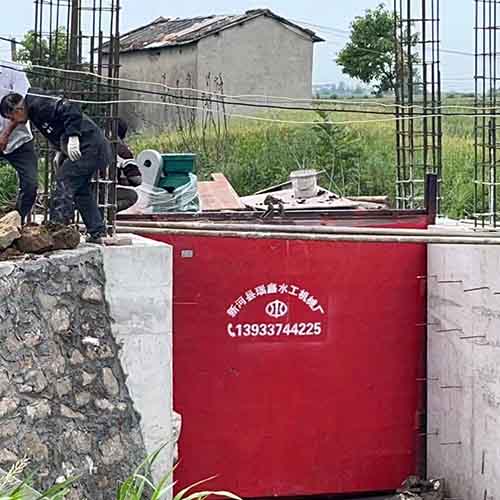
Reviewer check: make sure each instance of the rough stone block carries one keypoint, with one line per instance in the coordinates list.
(10, 226)
(35, 239)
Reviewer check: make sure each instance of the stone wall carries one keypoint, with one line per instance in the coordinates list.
(64, 401)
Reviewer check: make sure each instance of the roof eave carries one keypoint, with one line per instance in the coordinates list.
(315, 38)
(258, 13)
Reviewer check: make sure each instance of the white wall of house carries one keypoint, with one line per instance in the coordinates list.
(175, 67)
(260, 56)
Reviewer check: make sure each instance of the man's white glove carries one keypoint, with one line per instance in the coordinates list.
(74, 153)
(57, 159)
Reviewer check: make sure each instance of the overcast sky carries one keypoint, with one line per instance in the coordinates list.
(457, 25)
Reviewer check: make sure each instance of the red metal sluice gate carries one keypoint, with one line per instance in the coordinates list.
(298, 365)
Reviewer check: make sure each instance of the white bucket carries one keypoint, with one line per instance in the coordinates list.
(305, 183)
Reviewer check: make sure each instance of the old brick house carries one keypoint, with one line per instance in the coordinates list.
(257, 52)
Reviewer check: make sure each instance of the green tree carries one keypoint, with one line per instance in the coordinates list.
(48, 51)
(370, 54)
(339, 150)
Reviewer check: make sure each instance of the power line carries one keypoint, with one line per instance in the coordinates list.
(240, 103)
(342, 33)
(11, 40)
(346, 34)
(268, 120)
(224, 102)
(273, 120)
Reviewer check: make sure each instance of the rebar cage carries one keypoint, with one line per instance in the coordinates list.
(75, 54)
(486, 76)
(418, 99)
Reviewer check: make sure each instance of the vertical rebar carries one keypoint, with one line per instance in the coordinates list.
(485, 120)
(90, 44)
(476, 111)
(397, 109)
(418, 94)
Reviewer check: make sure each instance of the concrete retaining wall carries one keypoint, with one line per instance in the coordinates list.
(139, 293)
(464, 369)
(85, 364)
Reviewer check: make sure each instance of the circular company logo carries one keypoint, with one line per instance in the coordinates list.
(276, 309)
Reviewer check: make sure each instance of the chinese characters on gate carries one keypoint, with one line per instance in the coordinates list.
(274, 288)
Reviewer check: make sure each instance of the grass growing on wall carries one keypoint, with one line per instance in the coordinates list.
(138, 486)
(8, 186)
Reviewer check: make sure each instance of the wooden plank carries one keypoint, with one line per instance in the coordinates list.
(218, 195)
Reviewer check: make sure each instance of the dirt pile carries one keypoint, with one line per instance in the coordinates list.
(16, 241)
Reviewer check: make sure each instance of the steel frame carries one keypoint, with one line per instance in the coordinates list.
(486, 78)
(418, 99)
(81, 36)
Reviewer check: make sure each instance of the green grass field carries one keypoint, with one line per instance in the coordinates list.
(360, 158)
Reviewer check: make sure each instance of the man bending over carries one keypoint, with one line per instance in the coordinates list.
(80, 140)
(16, 143)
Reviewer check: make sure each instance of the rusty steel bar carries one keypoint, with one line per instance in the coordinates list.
(366, 238)
(217, 226)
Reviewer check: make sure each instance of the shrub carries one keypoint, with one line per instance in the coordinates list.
(8, 186)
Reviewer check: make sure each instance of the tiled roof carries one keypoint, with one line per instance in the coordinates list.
(166, 32)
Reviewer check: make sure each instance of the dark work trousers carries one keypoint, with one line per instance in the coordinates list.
(25, 162)
(125, 198)
(73, 184)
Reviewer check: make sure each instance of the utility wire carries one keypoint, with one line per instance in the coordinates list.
(346, 34)
(222, 101)
(241, 103)
(11, 40)
(271, 120)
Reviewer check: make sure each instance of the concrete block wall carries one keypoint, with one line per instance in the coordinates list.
(464, 369)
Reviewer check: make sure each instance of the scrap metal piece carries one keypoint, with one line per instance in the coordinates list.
(273, 205)
(415, 488)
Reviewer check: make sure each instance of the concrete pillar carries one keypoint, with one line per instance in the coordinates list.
(464, 369)
(139, 294)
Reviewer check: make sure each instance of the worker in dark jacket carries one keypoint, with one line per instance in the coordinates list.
(16, 143)
(80, 140)
(129, 175)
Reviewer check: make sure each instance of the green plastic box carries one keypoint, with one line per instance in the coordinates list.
(179, 163)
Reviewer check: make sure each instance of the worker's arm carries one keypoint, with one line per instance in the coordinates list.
(129, 167)
(5, 135)
(132, 173)
(16, 82)
(70, 115)
(47, 113)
